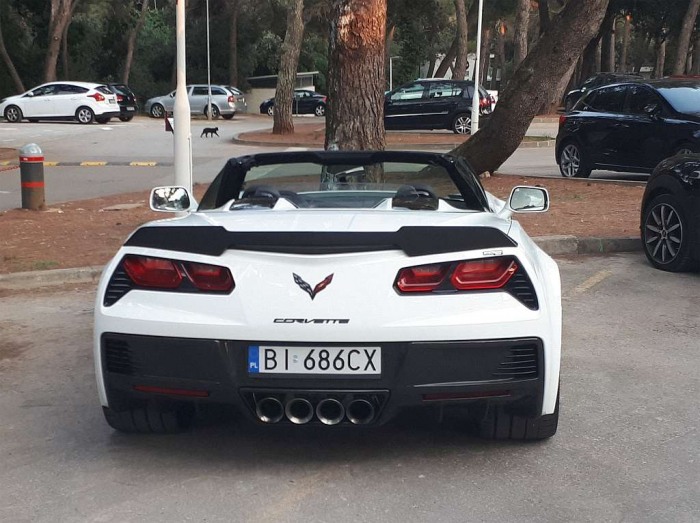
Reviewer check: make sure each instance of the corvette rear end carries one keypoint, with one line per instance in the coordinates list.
(333, 288)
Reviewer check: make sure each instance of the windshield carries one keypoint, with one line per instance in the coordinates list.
(348, 182)
(685, 99)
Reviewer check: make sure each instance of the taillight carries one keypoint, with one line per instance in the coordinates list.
(120, 98)
(324, 99)
(468, 275)
(562, 119)
(423, 278)
(161, 273)
(209, 277)
(491, 273)
(97, 96)
(231, 99)
(157, 273)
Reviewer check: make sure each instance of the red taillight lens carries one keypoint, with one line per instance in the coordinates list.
(423, 278)
(209, 277)
(483, 274)
(562, 119)
(97, 96)
(120, 98)
(325, 98)
(231, 99)
(156, 273)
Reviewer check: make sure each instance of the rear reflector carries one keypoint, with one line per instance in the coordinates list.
(156, 273)
(423, 278)
(492, 273)
(172, 392)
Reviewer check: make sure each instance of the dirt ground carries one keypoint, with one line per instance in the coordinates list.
(89, 232)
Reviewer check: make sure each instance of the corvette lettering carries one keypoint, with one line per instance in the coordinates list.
(322, 321)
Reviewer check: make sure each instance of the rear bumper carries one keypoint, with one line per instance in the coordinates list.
(414, 374)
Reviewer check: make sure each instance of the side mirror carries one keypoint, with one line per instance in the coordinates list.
(171, 199)
(30, 94)
(524, 199)
(652, 110)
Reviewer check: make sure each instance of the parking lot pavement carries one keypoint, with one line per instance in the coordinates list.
(626, 448)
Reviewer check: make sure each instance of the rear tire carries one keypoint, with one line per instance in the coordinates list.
(498, 424)
(228, 116)
(462, 124)
(157, 111)
(572, 161)
(102, 120)
(271, 110)
(126, 118)
(320, 110)
(150, 418)
(84, 115)
(666, 235)
(214, 112)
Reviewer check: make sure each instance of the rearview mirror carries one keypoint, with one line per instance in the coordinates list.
(525, 199)
(171, 199)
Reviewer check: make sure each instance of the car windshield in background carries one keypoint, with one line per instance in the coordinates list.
(684, 99)
(359, 183)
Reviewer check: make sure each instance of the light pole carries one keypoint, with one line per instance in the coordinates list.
(182, 154)
(476, 99)
(391, 71)
(208, 69)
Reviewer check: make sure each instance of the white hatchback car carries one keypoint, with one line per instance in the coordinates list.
(82, 101)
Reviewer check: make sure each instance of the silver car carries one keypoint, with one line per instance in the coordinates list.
(223, 102)
(241, 104)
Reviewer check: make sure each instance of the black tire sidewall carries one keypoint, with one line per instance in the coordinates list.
(161, 111)
(683, 261)
(19, 112)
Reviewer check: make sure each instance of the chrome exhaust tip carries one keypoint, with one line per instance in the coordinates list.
(299, 411)
(330, 411)
(360, 412)
(269, 410)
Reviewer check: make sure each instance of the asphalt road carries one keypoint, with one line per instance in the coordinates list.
(627, 447)
(145, 140)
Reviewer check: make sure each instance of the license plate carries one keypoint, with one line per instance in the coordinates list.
(131, 108)
(355, 361)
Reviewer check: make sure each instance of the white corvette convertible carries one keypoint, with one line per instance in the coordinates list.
(333, 288)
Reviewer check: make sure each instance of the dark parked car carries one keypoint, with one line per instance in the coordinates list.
(595, 81)
(305, 102)
(629, 127)
(126, 99)
(670, 222)
(434, 103)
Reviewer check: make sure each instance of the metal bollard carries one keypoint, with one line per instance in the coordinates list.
(31, 168)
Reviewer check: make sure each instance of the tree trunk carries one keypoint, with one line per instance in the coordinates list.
(696, 56)
(555, 54)
(545, 21)
(356, 78)
(607, 37)
(660, 59)
(684, 37)
(233, 43)
(289, 61)
(589, 59)
(131, 42)
(499, 70)
(485, 58)
(447, 60)
(625, 45)
(61, 12)
(460, 69)
(19, 86)
(522, 22)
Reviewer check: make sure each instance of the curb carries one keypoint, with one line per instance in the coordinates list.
(255, 143)
(552, 245)
(12, 164)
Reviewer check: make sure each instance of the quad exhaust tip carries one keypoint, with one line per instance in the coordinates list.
(330, 411)
(299, 411)
(360, 412)
(269, 410)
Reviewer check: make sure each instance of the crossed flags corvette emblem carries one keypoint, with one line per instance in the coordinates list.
(307, 288)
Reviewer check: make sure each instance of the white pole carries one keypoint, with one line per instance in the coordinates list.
(208, 69)
(182, 154)
(477, 66)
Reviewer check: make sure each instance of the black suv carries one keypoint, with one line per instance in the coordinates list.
(595, 81)
(629, 127)
(434, 103)
(126, 100)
